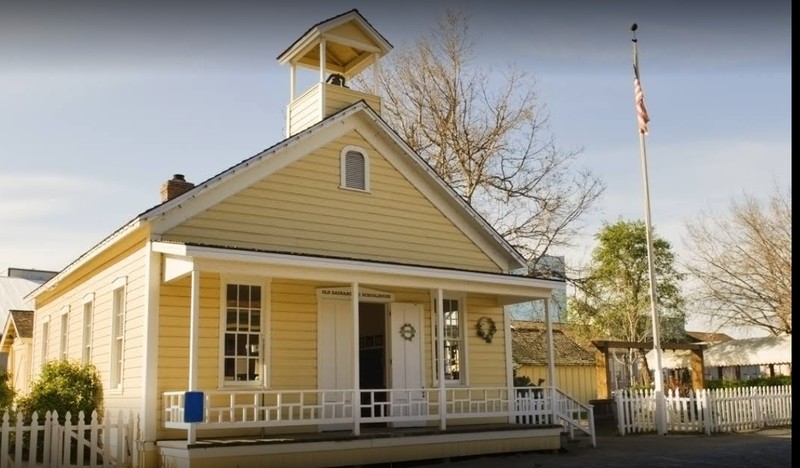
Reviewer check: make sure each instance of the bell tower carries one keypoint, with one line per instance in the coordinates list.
(337, 50)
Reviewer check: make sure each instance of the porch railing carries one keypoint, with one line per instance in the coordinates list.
(276, 408)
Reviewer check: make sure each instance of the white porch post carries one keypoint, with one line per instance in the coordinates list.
(322, 72)
(551, 365)
(512, 395)
(194, 332)
(292, 81)
(356, 367)
(149, 408)
(440, 353)
(292, 93)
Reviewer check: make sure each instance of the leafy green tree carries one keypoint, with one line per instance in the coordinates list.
(64, 386)
(612, 297)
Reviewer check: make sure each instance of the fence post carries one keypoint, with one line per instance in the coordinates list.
(34, 431)
(55, 440)
(46, 435)
(4, 442)
(18, 441)
(68, 438)
(756, 397)
(708, 411)
(620, 412)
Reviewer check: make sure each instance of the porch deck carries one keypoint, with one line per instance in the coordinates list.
(373, 445)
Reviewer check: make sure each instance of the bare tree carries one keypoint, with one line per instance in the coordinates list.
(485, 134)
(744, 263)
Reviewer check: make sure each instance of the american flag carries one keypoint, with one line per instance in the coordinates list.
(641, 112)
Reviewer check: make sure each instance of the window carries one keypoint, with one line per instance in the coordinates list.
(88, 309)
(117, 333)
(63, 343)
(453, 341)
(242, 346)
(45, 338)
(355, 169)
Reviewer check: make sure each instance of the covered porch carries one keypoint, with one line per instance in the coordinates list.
(344, 403)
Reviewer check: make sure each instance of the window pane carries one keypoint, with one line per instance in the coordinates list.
(230, 371)
(230, 344)
(231, 294)
(255, 297)
(255, 320)
(241, 345)
(253, 345)
(231, 320)
(244, 296)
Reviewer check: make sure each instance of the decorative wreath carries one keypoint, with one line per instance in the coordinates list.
(486, 328)
(408, 332)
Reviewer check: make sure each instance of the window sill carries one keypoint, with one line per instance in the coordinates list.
(350, 189)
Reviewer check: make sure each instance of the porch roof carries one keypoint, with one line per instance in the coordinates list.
(180, 259)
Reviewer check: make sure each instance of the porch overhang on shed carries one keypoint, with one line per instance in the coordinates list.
(181, 259)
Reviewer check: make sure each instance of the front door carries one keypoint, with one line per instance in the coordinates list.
(408, 398)
(335, 358)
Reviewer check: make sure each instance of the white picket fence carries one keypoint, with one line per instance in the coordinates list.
(706, 410)
(48, 443)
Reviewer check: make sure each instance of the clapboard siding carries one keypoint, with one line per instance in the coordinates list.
(293, 334)
(485, 361)
(129, 260)
(338, 98)
(304, 111)
(580, 382)
(301, 209)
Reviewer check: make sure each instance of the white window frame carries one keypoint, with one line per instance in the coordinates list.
(118, 317)
(463, 375)
(264, 337)
(45, 338)
(63, 342)
(343, 168)
(87, 328)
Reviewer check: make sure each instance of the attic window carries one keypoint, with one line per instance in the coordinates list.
(354, 169)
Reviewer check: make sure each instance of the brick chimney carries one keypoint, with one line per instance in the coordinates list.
(175, 187)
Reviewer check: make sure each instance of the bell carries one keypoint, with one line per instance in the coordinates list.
(335, 79)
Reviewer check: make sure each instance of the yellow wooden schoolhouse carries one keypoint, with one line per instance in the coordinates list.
(330, 301)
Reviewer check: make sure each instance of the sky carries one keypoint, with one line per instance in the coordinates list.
(101, 102)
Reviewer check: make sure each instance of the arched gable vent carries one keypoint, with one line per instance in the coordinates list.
(354, 169)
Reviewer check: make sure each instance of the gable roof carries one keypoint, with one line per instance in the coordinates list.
(303, 48)
(259, 166)
(529, 346)
(22, 321)
(279, 155)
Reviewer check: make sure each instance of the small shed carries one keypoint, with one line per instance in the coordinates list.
(16, 343)
(576, 369)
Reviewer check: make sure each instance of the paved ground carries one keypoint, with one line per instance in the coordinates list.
(768, 448)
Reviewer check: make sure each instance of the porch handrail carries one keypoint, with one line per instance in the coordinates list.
(258, 408)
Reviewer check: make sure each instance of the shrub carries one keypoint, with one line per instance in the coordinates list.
(7, 392)
(760, 382)
(64, 386)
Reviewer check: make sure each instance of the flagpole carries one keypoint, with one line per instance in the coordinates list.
(661, 422)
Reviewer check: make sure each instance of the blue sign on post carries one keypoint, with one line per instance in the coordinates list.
(193, 407)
